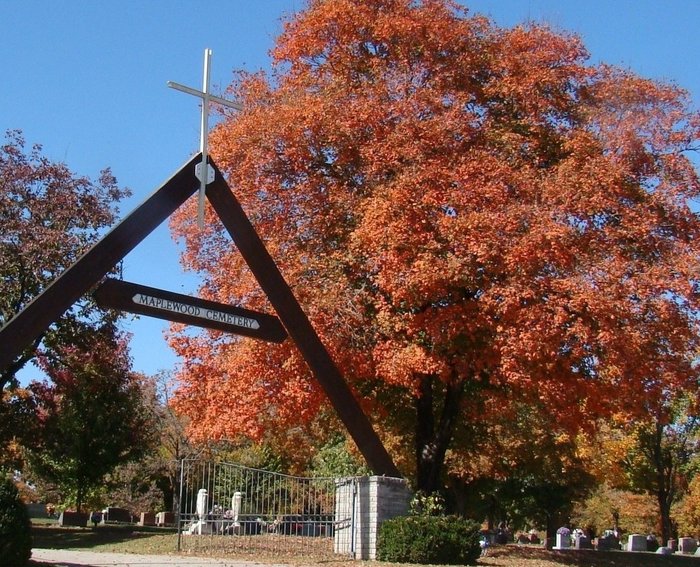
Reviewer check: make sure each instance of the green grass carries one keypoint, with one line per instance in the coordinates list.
(159, 541)
(117, 539)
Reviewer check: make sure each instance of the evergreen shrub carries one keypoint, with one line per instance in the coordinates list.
(15, 527)
(445, 540)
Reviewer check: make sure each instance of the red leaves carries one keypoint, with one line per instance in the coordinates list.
(453, 199)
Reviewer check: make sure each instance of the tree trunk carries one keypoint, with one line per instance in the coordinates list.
(433, 440)
(79, 498)
(665, 489)
(665, 520)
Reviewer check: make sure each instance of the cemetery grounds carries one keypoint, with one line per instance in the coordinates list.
(147, 541)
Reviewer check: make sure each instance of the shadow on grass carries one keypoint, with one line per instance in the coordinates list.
(56, 537)
(583, 558)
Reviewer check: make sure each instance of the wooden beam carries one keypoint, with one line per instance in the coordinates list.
(135, 298)
(99, 260)
(299, 327)
(95, 264)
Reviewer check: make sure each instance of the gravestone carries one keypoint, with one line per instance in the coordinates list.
(165, 519)
(563, 541)
(236, 500)
(608, 542)
(583, 542)
(37, 510)
(113, 514)
(201, 526)
(147, 519)
(664, 551)
(687, 545)
(672, 545)
(637, 542)
(69, 518)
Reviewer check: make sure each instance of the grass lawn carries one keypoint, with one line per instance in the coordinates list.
(525, 556)
(134, 539)
(117, 539)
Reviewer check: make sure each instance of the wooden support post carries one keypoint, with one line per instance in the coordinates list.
(299, 327)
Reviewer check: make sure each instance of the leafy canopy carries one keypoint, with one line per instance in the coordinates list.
(49, 217)
(91, 415)
(455, 205)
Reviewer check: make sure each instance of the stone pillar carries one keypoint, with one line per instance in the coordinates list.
(361, 505)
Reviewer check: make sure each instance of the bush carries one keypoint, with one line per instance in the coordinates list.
(15, 528)
(446, 540)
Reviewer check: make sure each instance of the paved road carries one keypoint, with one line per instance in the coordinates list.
(67, 558)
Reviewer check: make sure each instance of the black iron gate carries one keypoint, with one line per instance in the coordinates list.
(228, 508)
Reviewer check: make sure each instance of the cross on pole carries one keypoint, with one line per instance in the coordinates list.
(203, 171)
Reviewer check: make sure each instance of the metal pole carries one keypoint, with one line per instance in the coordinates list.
(203, 133)
(181, 464)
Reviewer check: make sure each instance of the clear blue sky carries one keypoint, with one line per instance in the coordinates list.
(87, 80)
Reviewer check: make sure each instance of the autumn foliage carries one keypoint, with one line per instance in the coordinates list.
(466, 213)
(49, 216)
(90, 416)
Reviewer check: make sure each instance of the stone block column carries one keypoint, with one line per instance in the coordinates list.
(361, 506)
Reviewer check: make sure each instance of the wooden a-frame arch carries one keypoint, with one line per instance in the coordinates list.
(99, 260)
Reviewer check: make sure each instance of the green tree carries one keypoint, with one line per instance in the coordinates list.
(661, 461)
(90, 415)
(526, 471)
(334, 459)
(15, 529)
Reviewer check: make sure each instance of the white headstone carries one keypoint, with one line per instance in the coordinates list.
(637, 542)
(563, 541)
(202, 498)
(236, 505)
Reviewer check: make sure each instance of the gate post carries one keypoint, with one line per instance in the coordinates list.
(361, 506)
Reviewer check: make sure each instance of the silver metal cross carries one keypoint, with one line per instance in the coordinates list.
(203, 171)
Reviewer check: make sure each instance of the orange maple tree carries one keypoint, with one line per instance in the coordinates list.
(465, 213)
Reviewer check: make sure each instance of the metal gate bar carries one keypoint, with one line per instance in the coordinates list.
(228, 508)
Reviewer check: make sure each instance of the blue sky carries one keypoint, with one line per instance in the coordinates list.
(87, 80)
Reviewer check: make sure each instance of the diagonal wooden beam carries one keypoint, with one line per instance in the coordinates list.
(99, 260)
(94, 264)
(299, 327)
